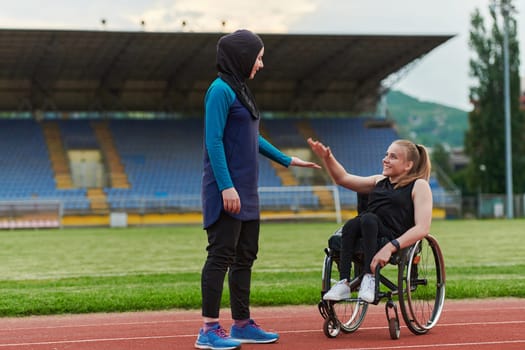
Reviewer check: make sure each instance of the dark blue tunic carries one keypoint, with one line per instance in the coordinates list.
(232, 145)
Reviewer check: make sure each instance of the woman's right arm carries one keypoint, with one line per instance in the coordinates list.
(217, 104)
(361, 184)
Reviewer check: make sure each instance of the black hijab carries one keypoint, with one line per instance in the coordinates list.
(236, 55)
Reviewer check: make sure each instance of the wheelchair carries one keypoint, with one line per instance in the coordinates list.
(418, 286)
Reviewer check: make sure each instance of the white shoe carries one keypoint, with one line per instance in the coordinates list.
(367, 291)
(339, 291)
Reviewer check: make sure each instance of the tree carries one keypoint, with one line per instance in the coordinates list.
(485, 138)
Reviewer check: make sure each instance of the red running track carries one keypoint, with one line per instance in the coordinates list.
(473, 324)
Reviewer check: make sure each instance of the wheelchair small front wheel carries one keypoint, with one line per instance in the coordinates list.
(393, 328)
(331, 327)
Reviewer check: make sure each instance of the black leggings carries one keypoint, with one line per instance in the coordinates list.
(232, 248)
(368, 227)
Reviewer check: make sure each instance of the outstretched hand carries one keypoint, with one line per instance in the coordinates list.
(302, 163)
(318, 148)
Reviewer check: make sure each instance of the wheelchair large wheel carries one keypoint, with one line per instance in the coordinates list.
(348, 313)
(422, 285)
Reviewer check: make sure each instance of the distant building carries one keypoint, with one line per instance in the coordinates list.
(458, 158)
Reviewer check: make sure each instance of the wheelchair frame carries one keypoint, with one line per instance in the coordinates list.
(420, 290)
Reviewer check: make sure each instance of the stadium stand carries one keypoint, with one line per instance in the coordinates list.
(29, 173)
(155, 165)
(30, 177)
(162, 160)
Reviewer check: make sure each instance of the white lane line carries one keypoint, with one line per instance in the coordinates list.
(79, 341)
(97, 325)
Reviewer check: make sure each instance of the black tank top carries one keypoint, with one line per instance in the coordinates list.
(394, 207)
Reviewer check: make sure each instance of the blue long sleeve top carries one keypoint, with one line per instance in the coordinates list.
(232, 143)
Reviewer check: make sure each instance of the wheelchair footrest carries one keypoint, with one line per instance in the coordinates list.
(323, 309)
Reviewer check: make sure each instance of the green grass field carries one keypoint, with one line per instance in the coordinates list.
(156, 268)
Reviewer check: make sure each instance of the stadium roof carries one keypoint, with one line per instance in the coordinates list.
(55, 70)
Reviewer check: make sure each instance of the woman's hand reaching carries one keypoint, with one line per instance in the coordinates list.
(318, 148)
(302, 163)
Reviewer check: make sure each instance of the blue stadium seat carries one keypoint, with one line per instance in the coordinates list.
(28, 173)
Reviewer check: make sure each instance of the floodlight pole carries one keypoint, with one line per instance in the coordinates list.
(505, 8)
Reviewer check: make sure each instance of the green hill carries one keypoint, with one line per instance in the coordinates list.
(426, 122)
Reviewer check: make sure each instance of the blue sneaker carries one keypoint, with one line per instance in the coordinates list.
(216, 339)
(252, 333)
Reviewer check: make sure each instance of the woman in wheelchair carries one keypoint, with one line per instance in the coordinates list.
(399, 211)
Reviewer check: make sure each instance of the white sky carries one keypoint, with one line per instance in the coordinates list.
(442, 76)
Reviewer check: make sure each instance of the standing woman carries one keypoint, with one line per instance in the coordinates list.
(229, 191)
(399, 211)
